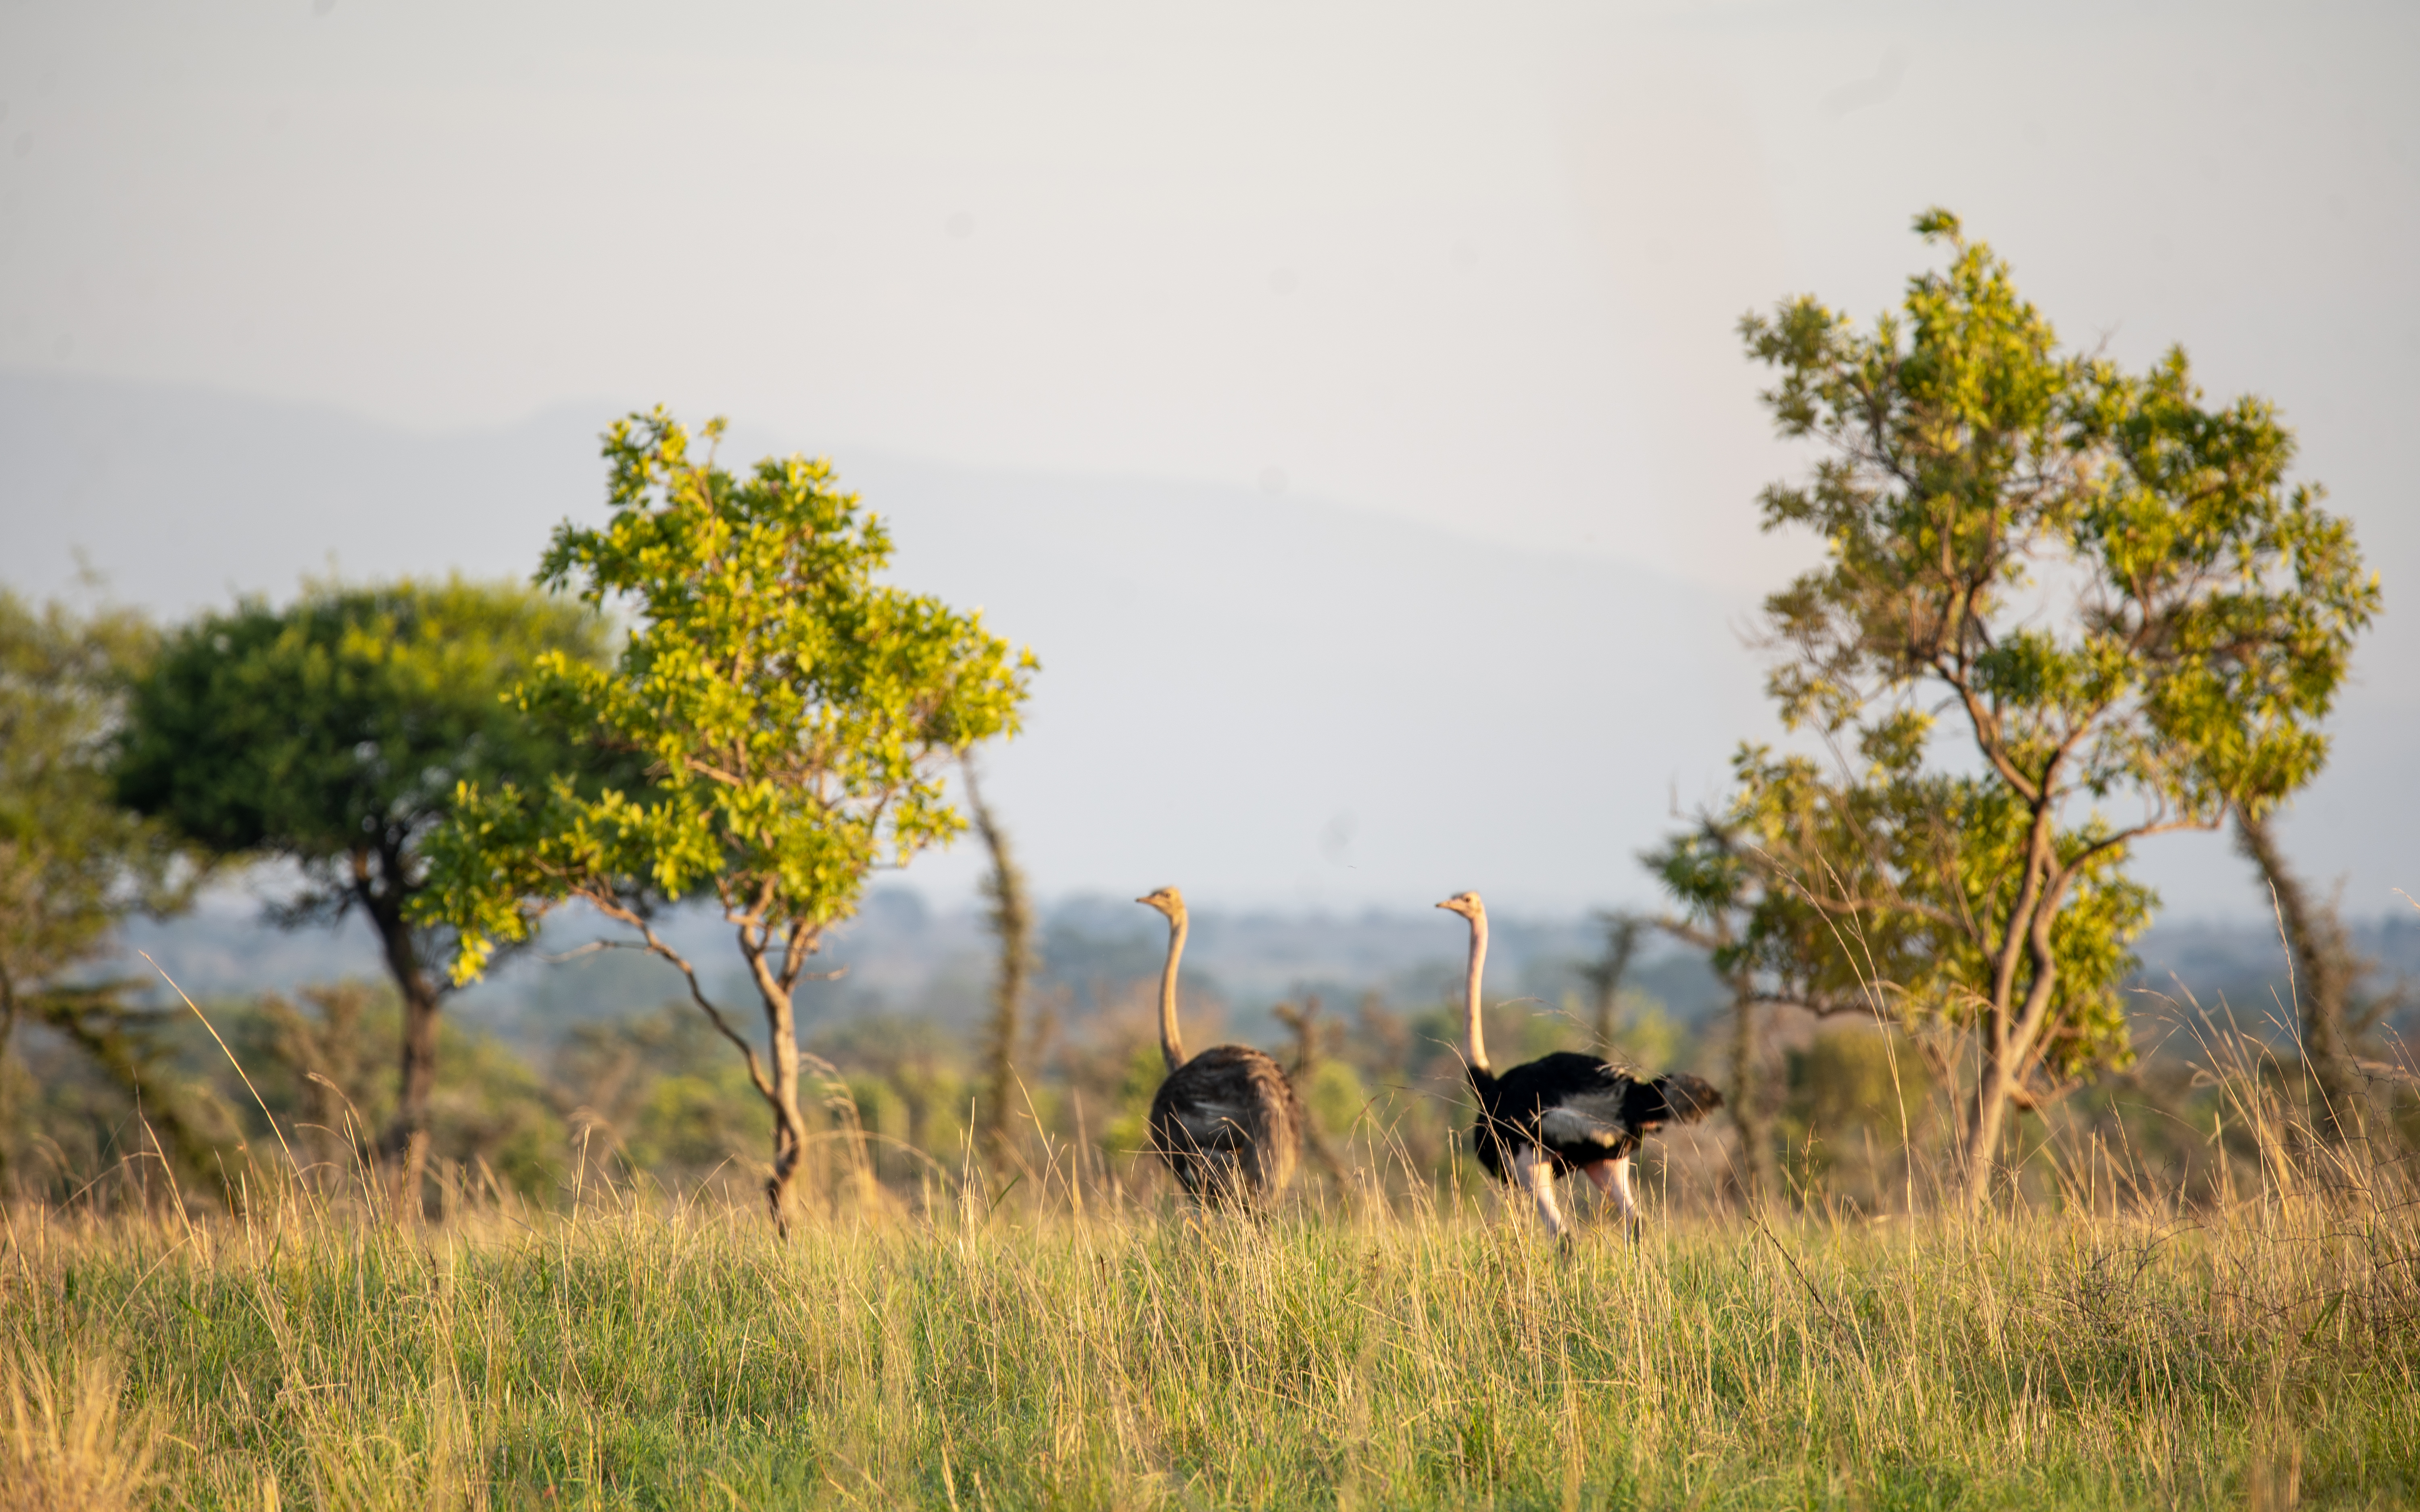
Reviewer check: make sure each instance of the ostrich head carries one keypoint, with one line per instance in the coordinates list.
(1168, 901)
(1467, 905)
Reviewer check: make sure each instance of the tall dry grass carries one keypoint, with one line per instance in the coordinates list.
(1074, 1344)
(66, 1446)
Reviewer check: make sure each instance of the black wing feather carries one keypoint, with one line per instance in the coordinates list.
(1578, 1110)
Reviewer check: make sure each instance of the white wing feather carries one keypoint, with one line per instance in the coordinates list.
(1592, 1118)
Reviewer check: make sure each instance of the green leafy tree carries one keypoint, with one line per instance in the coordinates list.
(794, 715)
(2105, 588)
(332, 734)
(73, 863)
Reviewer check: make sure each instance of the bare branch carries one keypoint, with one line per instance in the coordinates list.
(613, 908)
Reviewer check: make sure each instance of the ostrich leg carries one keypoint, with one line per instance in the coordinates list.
(1612, 1178)
(1536, 1175)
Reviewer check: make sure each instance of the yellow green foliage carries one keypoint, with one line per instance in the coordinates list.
(2061, 608)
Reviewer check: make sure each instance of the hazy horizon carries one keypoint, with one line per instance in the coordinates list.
(1107, 306)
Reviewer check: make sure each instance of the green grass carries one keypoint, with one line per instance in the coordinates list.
(688, 1359)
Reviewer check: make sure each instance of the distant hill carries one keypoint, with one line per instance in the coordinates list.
(1277, 702)
(1268, 700)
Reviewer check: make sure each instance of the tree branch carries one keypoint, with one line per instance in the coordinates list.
(614, 909)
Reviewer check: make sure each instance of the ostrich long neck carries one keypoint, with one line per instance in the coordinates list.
(1170, 1046)
(1471, 1002)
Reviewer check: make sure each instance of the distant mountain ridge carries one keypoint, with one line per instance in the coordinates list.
(1265, 700)
(1276, 702)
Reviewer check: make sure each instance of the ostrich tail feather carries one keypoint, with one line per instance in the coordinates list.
(1687, 1098)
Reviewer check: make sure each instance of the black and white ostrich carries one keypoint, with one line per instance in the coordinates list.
(1549, 1115)
(1226, 1120)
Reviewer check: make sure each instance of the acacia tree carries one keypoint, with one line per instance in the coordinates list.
(330, 734)
(2107, 590)
(792, 714)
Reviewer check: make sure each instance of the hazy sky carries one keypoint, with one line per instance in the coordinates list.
(1476, 266)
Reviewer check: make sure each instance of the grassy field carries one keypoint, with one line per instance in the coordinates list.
(2259, 1354)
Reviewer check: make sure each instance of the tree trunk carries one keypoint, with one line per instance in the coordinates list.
(1605, 974)
(1986, 1125)
(789, 1124)
(1308, 1054)
(2016, 1032)
(2009, 1036)
(1012, 920)
(405, 1148)
(2324, 969)
(2011, 1042)
(1759, 1170)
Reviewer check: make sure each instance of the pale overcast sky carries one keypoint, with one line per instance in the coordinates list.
(1473, 265)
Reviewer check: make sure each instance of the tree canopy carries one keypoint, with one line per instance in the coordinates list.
(2108, 588)
(343, 722)
(332, 734)
(794, 715)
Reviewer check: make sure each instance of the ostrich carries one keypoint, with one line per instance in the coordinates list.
(1226, 1120)
(1546, 1116)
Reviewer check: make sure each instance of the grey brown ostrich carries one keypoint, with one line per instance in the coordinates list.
(1226, 1120)
(1563, 1112)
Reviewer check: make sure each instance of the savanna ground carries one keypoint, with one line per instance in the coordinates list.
(1067, 1343)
